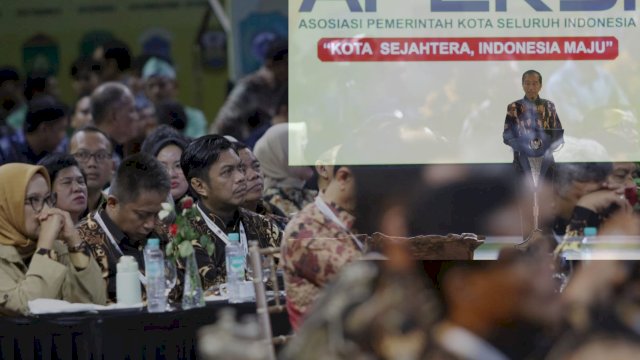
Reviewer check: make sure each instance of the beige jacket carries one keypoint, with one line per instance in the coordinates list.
(46, 278)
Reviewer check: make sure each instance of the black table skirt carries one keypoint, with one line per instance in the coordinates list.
(116, 334)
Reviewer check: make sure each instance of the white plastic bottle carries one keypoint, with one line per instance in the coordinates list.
(234, 257)
(128, 290)
(154, 270)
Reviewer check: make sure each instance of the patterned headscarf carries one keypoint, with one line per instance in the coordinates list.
(14, 179)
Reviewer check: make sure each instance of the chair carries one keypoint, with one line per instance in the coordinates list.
(263, 309)
(433, 247)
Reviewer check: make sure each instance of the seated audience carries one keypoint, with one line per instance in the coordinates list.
(162, 85)
(43, 133)
(69, 184)
(114, 113)
(85, 76)
(513, 303)
(254, 99)
(217, 178)
(123, 224)
(318, 242)
(41, 254)
(584, 197)
(81, 115)
(255, 184)
(167, 145)
(93, 150)
(284, 185)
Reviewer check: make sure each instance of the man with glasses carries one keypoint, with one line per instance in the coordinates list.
(129, 217)
(93, 151)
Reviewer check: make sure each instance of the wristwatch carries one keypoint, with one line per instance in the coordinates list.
(50, 253)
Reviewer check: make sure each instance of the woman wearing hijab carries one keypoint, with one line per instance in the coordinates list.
(33, 262)
(283, 185)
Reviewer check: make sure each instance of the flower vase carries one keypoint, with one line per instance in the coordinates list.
(193, 295)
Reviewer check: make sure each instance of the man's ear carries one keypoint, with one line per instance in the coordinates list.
(200, 187)
(343, 174)
(112, 201)
(321, 169)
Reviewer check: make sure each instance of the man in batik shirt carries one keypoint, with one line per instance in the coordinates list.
(122, 225)
(530, 120)
(318, 242)
(217, 177)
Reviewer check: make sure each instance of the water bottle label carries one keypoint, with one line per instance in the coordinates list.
(237, 263)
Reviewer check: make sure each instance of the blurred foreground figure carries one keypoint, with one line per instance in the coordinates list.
(373, 310)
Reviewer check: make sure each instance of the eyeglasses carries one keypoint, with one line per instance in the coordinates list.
(85, 156)
(37, 203)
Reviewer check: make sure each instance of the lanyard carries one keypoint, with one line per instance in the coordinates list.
(326, 211)
(143, 279)
(221, 234)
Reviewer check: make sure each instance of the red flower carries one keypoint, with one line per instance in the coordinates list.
(187, 203)
(173, 229)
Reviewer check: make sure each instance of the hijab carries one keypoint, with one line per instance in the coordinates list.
(14, 179)
(272, 150)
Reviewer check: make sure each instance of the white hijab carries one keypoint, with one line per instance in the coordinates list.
(272, 150)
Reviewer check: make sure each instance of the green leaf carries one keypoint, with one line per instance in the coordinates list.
(169, 250)
(185, 248)
(210, 248)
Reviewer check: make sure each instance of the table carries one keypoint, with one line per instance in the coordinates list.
(116, 334)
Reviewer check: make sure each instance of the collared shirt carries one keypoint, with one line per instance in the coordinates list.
(464, 344)
(524, 116)
(105, 252)
(212, 268)
(289, 200)
(314, 249)
(15, 148)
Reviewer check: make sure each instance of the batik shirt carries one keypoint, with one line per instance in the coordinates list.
(290, 200)
(525, 117)
(314, 249)
(273, 213)
(105, 253)
(212, 268)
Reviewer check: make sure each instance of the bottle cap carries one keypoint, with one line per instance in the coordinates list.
(234, 237)
(590, 231)
(153, 243)
(127, 264)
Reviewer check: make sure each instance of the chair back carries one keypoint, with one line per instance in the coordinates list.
(432, 247)
(262, 258)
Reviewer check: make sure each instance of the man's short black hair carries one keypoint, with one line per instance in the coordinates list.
(41, 110)
(54, 163)
(203, 152)
(104, 98)
(93, 129)
(119, 51)
(172, 113)
(139, 173)
(161, 137)
(532, 72)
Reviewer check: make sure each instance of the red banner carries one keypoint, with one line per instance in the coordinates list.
(467, 49)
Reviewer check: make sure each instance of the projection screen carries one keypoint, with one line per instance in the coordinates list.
(429, 81)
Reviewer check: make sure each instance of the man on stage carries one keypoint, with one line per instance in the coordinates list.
(532, 127)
